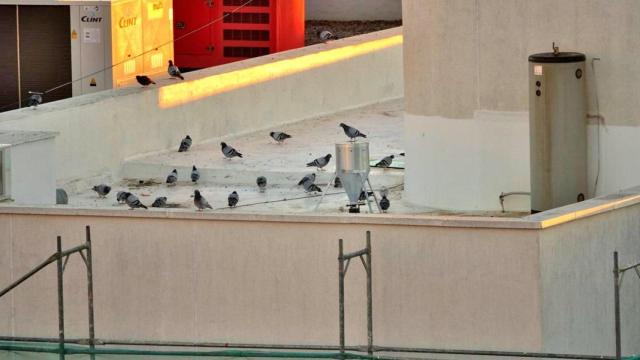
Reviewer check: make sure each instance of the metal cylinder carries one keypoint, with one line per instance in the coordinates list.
(352, 167)
(558, 129)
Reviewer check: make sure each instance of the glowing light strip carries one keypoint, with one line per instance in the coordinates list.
(188, 91)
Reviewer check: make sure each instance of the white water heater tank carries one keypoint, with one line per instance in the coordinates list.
(558, 129)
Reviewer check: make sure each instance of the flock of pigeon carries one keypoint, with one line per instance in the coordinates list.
(307, 182)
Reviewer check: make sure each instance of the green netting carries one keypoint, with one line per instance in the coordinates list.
(70, 349)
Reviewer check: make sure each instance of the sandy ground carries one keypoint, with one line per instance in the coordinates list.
(343, 29)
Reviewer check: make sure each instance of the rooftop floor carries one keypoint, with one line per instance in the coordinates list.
(283, 166)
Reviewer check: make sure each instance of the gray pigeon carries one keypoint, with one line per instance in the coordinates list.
(134, 202)
(279, 136)
(309, 186)
(309, 177)
(228, 151)
(102, 190)
(200, 202)
(185, 144)
(122, 196)
(233, 199)
(172, 179)
(326, 35)
(173, 71)
(337, 183)
(262, 183)
(351, 132)
(320, 162)
(160, 202)
(195, 174)
(144, 80)
(384, 204)
(35, 99)
(386, 162)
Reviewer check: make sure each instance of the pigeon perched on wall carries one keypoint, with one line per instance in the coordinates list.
(228, 151)
(337, 183)
(365, 195)
(309, 177)
(386, 162)
(102, 190)
(61, 197)
(351, 132)
(144, 80)
(185, 144)
(195, 174)
(160, 202)
(320, 162)
(35, 99)
(173, 71)
(384, 204)
(326, 35)
(262, 183)
(134, 202)
(309, 186)
(279, 136)
(402, 154)
(172, 179)
(233, 199)
(200, 202)
(121, 196)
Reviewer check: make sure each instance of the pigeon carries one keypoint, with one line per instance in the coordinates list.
(172, 179)
(134, 202)
(279, 136)
(326, 35)
(35, 99)
(122, 196)
(351, 132)
(386, 162)
(309, 186)
(233, 199)
(384, 203)
(144, 80)
(185, 144)
(195, 174)
(337, 183)
(160, 202)
(229, 152)
(320, 162)
(262, 183)
(309, 177)
(402, 154)
(102, 190)
(61, 197)
(173, 71)
(200, 202)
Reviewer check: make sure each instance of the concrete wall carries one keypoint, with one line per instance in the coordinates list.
(541, 283)
(464, 57)
(98, 131)
(344, 10)
(31, 172)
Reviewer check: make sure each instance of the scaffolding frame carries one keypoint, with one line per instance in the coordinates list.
(618, 276)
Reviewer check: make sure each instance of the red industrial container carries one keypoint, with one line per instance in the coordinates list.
(260, 28)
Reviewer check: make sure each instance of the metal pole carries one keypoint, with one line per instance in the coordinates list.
(369, 297)
(60, 300)
(616, 288)
(92, 335)
(341, 294)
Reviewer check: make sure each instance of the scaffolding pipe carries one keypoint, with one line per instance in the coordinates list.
(369, 296)
(341, 294)
(60, 299)
(89, 264)
(616, 296)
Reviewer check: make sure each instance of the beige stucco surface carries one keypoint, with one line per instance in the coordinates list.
(276, 282)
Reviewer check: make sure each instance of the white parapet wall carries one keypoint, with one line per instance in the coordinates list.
(99, 131)
(541, 283)
(344, 10)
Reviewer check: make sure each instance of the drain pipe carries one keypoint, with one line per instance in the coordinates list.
(505, 194)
